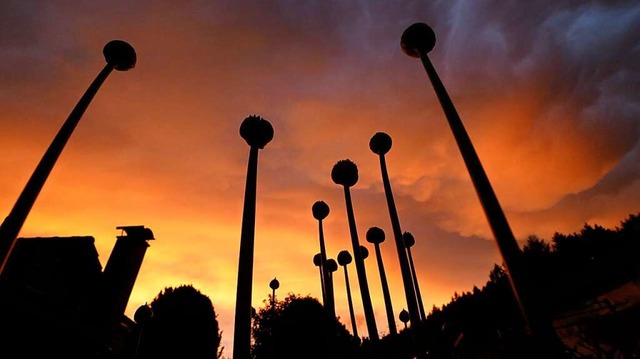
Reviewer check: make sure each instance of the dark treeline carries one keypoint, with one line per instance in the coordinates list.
(575, 280)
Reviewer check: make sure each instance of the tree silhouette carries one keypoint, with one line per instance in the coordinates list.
(299, 327)
(182, 324)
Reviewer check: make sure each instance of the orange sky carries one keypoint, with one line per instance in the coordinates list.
(549, 94)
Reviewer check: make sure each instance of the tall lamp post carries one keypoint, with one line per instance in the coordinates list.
(417, 41)
(119, 56)
(345, 173)
(320, 211)
(317, 261)
(409, 241)
(257, 132)
(274, 284)
(380, 144)
(332, 266)
(344, 258)
(376, 236)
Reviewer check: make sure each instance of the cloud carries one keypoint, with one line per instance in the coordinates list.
(548, 92)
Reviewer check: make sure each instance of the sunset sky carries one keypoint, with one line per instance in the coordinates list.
(549, 92)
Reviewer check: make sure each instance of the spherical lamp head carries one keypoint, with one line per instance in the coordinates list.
(320, 210)
(345, 173)
(256, 131)
(344, 258)
(120, 55)
(332, 266)
(364, 252)
(274, 284)
(404, 316)
(417, 38)
(143, 314)
(408, 239)
(317, 260)
(375, 235)
(380, 143)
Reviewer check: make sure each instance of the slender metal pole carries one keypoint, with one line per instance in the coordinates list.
(350, 302)
(119, 56)
(242, 327)
(328, 290)
(405, 270)
(417, 41)
(385, 291)
(423, 314)
(360, 269)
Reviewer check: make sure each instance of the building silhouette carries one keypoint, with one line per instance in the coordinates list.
(56, 300)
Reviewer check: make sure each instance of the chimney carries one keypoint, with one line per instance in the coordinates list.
(121, 272)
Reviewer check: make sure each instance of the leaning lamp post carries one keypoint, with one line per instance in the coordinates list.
(417, 41)
(119, 56)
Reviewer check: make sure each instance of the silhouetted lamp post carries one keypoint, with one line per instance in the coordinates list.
(332, 266)
(345, 173)
(142, 316)
(257, 132)
(345, 258)
(317, 261)
(376, 236)
(404, 317)
(274, 284)
(364, 252)
(120, 56)
(320, 211)
(409, 241)
(380, 144)
(417, 41)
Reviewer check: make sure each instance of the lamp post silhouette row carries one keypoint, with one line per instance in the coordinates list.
(380, 144)
(344, 258)
(257, 132)
(320, 211)
(119, 56)
(409, 241)
(345, 173)
(376, 236)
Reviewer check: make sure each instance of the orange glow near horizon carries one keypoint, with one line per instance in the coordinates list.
(159, 146)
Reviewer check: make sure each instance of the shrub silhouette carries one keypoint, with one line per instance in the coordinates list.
(299, 327)
(183, 325)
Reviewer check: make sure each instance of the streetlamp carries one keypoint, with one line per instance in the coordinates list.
(416, 41)
(376, 236)
(345, 258)
(119, 56)
(257, 132)
(409, 241)
(317, 261)
(320, 211)
(345, 173)
(274, 284)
